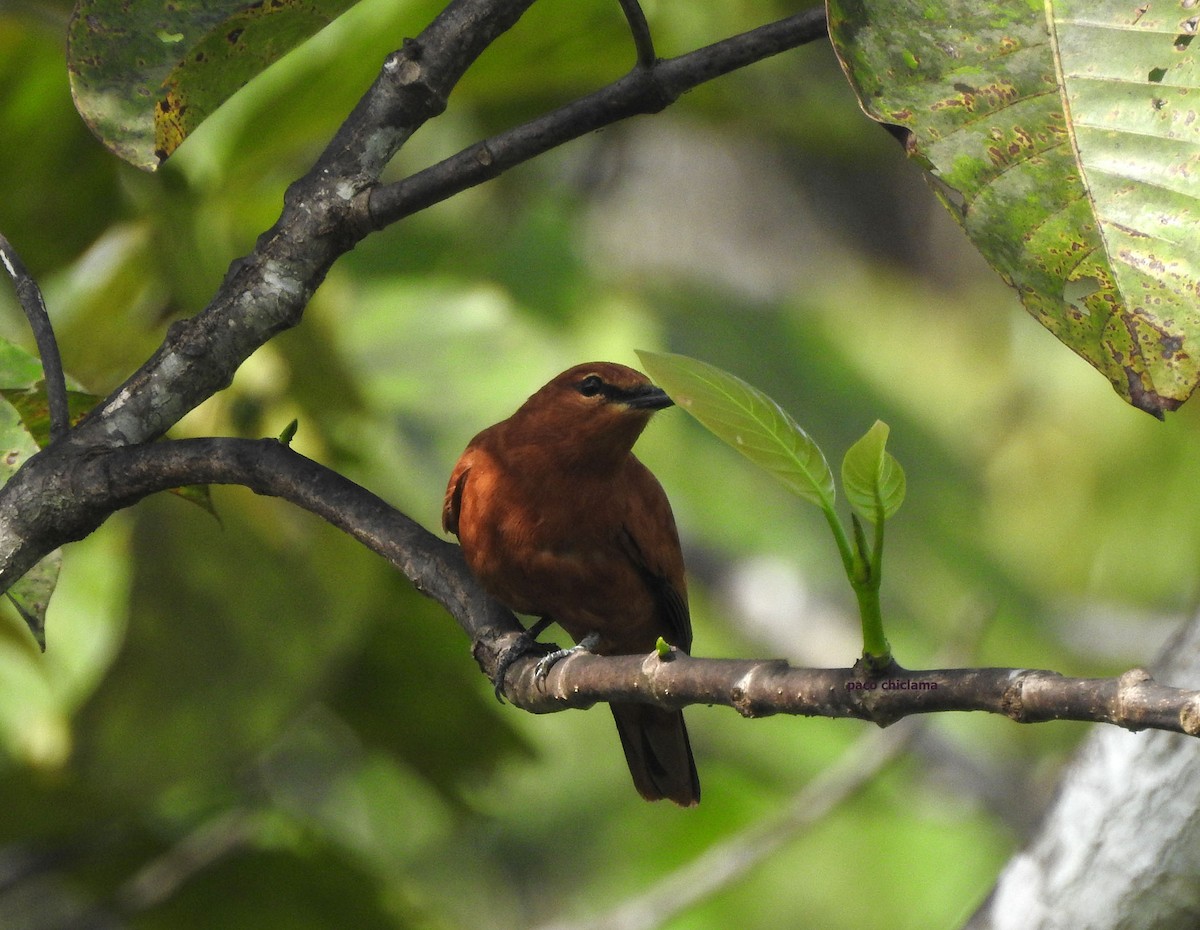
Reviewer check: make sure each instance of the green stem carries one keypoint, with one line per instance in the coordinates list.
(877, 652)
(840, 537)
(863, 572)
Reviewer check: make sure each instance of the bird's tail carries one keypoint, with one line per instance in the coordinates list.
(658, 753)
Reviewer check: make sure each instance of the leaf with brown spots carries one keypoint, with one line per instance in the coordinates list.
(1067, 145)
(144, 74)
(34, 408)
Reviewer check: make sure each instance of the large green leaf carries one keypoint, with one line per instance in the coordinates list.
(748, 420)
(1064, 138)
(25, 428)
(145, 73)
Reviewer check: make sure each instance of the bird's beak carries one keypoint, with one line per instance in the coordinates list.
(648, 398)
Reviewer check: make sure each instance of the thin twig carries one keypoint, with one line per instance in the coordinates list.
(726, 862)
(642, 40)
(30, 297)
(641, 91)
(162, 877)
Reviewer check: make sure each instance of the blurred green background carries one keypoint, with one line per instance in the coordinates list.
(255, 723)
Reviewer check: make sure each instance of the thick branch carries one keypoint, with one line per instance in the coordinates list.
(762, 688)
(754, 688)
(267, 291)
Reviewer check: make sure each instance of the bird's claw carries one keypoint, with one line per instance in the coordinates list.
(547, 662)
(523, 644)
(527, 642)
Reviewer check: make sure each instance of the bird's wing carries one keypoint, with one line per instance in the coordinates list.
(652, 543)
(673, 603)
(454, 491)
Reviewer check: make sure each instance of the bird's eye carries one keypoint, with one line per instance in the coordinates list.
(591, 386)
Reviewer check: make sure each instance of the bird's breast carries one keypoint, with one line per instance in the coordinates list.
(557, 553)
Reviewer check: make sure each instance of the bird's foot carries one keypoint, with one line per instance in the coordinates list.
(522, 645)
(547, 662)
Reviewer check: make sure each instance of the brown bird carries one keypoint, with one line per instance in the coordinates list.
(559, 520)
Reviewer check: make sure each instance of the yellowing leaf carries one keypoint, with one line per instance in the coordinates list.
(1063, 137)
(144, 73)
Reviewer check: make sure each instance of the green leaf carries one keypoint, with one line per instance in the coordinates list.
(30, 595)
(32, 592)
(200, 495)
(18, 369)
(746, 419)
(145, 73)
(1063, 138)
(34, 408)
(289, 433)
(871, 477)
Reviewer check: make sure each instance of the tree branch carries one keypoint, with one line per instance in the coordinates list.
(266, 292)
(642, 40)
(30, 297)
(325, 213)
(755, 688)
(644, 90)
(758, 688)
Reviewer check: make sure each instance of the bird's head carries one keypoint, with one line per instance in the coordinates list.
(598, 409)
